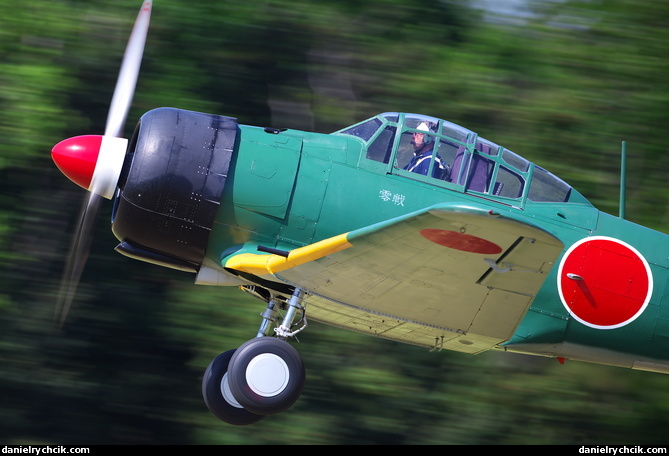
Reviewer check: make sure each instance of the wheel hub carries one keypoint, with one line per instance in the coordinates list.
(227, 394)
(267, 375)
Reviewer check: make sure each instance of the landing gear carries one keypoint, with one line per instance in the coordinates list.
(263, 376)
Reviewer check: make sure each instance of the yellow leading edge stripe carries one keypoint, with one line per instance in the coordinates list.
(259, 264)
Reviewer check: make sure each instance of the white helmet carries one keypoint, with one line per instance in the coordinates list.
(424, 127)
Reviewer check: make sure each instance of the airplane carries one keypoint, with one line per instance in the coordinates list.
(480, 250)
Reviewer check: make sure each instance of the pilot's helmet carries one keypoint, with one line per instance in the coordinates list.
(424, 127)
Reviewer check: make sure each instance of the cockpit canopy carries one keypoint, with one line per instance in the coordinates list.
(446, 154)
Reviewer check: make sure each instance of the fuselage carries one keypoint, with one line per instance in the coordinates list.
(298, 188)
(284, 189)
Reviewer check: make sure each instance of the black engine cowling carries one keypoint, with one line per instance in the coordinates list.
(171, 184)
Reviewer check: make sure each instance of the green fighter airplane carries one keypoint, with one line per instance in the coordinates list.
(404, 226)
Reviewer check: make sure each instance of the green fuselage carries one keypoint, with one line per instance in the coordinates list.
(291, 188)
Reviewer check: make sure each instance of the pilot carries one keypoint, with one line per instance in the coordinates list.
(420, 163)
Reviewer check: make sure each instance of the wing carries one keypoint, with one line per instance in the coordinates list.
(456, 276)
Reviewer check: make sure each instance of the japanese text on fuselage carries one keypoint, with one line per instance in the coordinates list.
(391, 197)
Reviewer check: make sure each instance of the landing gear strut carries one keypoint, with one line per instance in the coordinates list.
(263, 376)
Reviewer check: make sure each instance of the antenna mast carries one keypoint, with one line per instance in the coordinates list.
(623, 159)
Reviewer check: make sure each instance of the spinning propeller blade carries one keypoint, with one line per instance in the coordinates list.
(94, 162)
(127, 77)
(77, 256)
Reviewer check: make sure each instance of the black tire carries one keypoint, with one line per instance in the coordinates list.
(223, 405)
(266, 375)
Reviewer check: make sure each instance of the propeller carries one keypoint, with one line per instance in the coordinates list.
(94, 162)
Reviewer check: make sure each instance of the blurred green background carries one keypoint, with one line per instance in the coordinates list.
(559, 82)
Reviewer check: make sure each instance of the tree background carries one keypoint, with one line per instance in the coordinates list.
(559, 82)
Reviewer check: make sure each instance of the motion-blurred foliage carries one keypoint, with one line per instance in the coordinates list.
(562, 85)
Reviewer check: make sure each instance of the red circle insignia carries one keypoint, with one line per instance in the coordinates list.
(604, 283)
(461, 241)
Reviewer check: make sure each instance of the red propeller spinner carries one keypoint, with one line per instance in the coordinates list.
(93, 162)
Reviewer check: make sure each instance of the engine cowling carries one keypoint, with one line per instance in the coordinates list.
(171, 184)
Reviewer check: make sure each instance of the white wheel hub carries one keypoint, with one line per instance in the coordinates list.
(227, 394)
(267, 375)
